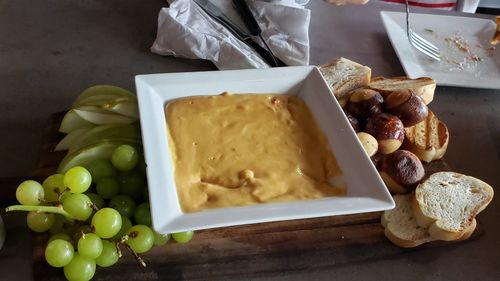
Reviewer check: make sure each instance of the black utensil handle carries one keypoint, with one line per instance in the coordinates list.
(247, 17)
(265, 54)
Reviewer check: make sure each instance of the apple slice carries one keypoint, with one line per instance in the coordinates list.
(103, 100)
(106, 132)
(71, 138)
(129, 109)
(72, 121)
(99, 117)
(88, 154)
(104, 90)
(121, 106)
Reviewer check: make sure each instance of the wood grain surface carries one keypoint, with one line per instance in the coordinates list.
(234, 253)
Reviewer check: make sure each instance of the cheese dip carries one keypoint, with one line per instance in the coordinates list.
(243, 149)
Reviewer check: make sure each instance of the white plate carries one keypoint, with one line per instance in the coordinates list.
(366, 191)
(456, 68)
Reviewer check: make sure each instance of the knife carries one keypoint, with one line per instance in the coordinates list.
(215, 13)
(252, 24)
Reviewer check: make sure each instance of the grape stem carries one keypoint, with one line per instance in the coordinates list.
(122, 242)
(61, 193)
(136, 256)
(94, 207)
(46, 209)
(117, 245)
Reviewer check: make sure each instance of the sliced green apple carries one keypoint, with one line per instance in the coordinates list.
(126, 108)
(129, 109)
(109, 132)
(101, 118)
(72, 121)
(103, 90)
(103, 100)
(88, 154)
(70, 139)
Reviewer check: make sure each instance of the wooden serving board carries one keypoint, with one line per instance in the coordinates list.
(240, 252)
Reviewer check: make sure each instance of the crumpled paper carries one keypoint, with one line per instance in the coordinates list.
(185, 30)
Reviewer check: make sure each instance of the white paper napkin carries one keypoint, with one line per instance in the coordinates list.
(185, 30)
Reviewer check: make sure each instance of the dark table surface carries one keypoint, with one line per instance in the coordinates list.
(51, 50)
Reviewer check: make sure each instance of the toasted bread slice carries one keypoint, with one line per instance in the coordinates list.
(423, 87)
(427, 139)
(496, 37)
(447, 204)
(401, 227)
(344, 75)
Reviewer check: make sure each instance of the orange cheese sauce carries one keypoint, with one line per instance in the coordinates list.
(238, 150)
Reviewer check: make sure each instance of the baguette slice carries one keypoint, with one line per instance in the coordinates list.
(447, 204)
(344, 75)
(427, 139)
(423, 87)
(401, 227)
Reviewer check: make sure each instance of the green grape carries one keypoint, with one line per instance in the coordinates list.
(141, 238)
(123, 204)
(125, 157)
(80, 232)
(183, 237)
(106, 222)
(100, 169)
(78, 205)
(80, 268)
(40, 222)
(51, 184)
(126, 225)
(30, 193)
(107, 187)
(90, 246)
(142, 214)
(77, 179)
(132, 184)
(109, 255)
(97, 200)
(59, 253)
(61, 225)
(160, 239)
(60, 236)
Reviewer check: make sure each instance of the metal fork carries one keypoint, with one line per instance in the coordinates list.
(417, 41)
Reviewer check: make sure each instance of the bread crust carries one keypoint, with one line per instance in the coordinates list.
(401, 171)
(402, 242)
(429, 151)
(394, 232)
(468, 231)
(355, 76)
(423, 86)
(436, 228)
(409, 107)
(400, 226)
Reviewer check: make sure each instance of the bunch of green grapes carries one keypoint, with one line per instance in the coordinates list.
(92, 213)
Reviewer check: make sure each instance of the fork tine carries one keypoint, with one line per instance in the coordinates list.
(417, 41)
(429, 44)
(422, 45)
(432, 55)
(425, 46)
(422, 49)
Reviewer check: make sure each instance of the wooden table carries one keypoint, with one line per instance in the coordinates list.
(51, 50)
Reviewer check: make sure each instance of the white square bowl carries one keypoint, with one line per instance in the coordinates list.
(365, 190)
